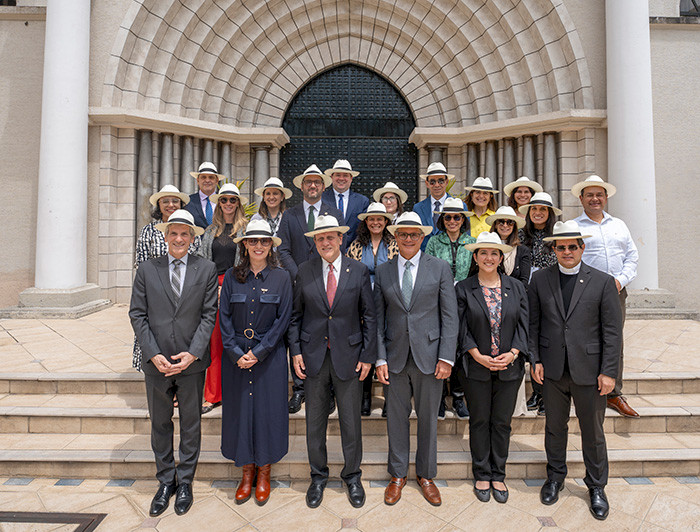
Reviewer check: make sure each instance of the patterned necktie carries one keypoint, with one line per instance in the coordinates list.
(340, 204)
(436, 207)
(407, 284)
(331, 285)
(209, 212)
(175, 279)
(312, 219)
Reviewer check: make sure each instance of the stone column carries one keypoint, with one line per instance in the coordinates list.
(187, 183)
(207, 151)
(144, 179)
(529, 157)
(631, 129)
(509, 161)
(491, 166)
(550, 181)
(225, 162)
(436, 154)
(61, 248)
(261, 168)
(166, 160)
(472, 163)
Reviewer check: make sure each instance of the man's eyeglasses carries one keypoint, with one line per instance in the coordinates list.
(224, 200)
(570, 247)
(439, 181)
(263, 241)
(408, 236)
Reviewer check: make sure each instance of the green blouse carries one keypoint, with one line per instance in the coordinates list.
(440, 246)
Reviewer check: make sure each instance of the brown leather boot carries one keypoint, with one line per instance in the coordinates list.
(245, 486)
(262, 488)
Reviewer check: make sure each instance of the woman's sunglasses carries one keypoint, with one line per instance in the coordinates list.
(224, 201)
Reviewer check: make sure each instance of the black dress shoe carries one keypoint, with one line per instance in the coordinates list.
(534, 401)
(549, 494)
(162, 498)
(295, 402)
(384, 409)
(459, 408)
(183, 499)
(356, 494)
(500, 495)
(331, 405)
(208, 408)
(314, 495)
(441, 410)
(540, 408)
(366, 408)
(482, 495)
(599, 503)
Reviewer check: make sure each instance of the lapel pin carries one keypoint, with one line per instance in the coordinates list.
(263, 290)
(506, 294)
(347, 270)
(580, 280)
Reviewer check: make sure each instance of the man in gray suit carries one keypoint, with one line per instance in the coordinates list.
(575, 336)
(173, 311)
(417, 331)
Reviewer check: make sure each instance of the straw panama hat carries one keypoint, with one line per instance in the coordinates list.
(566, 231)
(259, 229)
(437, 168)
(540, 198)
(593, 181)
(207, 168)
(180, 216)
(390, 187)
(275, 184)
(482, 183)
(490, 241)
(506, 212)
(410, 220)
(312, 170)
(522, 182)
(341, 165)
(327, 224)
(228, 189)
(375, 209)
(454, 206)
(169, 190)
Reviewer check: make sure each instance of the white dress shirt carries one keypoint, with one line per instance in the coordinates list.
(317, 208)
(183, 269)
(203, 198)
(336, 270)
(346, 198)
(611, 248)
(441, 200)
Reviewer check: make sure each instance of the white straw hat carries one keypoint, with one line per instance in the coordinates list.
(375, 209)
(229, 189)
(180, 216)
(506, 212)
(454, 206)
(566, 231)
(274, 183)
(312, 170)
(482, 183)
(390, 187)
(540, 198)
(207, 168)
(341, 165)
(259, 229)
(593, 181)
(410, 220)
(436, 168)
(169, 190)
(327, 224)
(490, 241)
(522, 182)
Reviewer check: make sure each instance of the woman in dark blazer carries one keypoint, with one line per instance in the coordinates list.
(493, 317)
(505, 223)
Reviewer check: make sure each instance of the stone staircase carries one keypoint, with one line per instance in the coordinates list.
(96, 426)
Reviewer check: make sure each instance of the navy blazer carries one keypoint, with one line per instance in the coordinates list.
(357, 204)
(195, 207)
(349, 326)
(296, 248)
(475, 326)
(424, 209)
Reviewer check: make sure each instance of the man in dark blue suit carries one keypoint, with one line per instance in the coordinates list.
(348, 202)
(200, 206)
(436, 181)
(296, 248)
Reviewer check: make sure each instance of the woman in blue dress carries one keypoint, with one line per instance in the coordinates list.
(255, 309)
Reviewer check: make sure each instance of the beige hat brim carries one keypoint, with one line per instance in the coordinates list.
(377, 194)
(198, 231)
(276, 241)
(261, 191)
(364, 215)
(342, 229)
(577, 189)
(465, 213)
(425, 228)
(184, 198)
(510, 187)
(215, 197)
(489, 245)
(327, 181)
(519, 222)
(565, 237)
(197, 174)
(491, 190)
(524, 208)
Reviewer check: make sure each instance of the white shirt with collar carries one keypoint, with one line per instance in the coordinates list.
(336, 269)
(203, 198)
(611, 248)
(346, 198)
(415, 260)
(307, 206)
(183, 269)
(441, 201)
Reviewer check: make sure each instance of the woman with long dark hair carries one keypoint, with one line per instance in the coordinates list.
(255, 309)
(493, 318)
(505, 223)
(274, 202)
(520, 192)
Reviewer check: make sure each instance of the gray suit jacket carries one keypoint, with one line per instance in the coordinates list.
(164, 327)
(589, 334)
(428, 327)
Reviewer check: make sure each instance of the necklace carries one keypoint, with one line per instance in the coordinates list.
(497, 284)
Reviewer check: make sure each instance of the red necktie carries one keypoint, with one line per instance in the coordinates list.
(331, 285)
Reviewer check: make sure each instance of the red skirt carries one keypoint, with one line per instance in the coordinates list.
(212, 385)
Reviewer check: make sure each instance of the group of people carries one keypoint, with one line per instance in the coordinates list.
(447, 299)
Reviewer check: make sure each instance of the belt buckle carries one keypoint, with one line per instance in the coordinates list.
(250, 332)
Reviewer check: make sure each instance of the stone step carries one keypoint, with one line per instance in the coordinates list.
(132, 383)
(662, 313)
(105, 414)
(128, 456)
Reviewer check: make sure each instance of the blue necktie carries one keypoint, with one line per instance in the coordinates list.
(340, 204)
(436, 207)
(209, 213)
